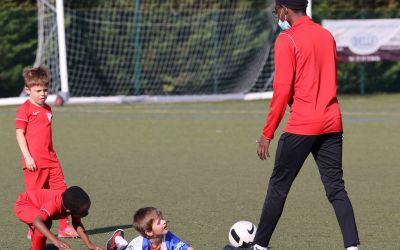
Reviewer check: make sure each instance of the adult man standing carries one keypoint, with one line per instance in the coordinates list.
(305, 79)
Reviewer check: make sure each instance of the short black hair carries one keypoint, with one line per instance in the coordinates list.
(297, 5)
(74, 198)
(303, 11)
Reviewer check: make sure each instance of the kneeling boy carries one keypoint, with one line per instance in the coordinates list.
(38, 208)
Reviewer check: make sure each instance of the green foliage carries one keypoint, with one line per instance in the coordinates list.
(339, 9)
(17, 44)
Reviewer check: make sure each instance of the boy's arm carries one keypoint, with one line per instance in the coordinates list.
(80, 229)
(29, 161)
(39, 225)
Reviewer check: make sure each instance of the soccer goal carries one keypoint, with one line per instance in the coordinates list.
(145, 50)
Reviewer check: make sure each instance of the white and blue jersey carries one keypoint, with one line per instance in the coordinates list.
(169, 242)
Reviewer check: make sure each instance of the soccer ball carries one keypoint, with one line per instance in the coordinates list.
(59, 101)
(242, 233)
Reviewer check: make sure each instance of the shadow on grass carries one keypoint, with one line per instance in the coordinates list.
(51, 247)
(107, 229)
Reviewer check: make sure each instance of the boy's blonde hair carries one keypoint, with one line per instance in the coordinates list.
(38, 76)
(144, 218)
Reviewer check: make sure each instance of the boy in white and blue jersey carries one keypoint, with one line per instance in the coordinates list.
(154, 234)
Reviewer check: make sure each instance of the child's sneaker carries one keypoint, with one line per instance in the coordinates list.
(111, 245)
(67, 232)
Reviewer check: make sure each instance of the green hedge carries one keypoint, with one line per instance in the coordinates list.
(18, 43)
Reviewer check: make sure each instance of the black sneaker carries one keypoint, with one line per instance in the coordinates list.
(110, 245)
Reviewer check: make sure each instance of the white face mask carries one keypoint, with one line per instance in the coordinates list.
(285, 25)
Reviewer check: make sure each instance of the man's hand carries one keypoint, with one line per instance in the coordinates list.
(263, 148)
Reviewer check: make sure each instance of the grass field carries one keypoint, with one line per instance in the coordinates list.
(197, 162)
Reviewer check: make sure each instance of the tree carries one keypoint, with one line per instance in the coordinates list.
(17, 44)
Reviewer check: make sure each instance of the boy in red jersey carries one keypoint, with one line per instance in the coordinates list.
(38, 208)
(41, 167)
(305, 80)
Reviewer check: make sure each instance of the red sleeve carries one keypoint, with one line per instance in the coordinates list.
(49, 209)
(283, 83)
(22, 117)
(44, 215)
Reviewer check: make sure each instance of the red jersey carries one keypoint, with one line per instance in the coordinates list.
(305, 79)
(36, 122)
(44, 202)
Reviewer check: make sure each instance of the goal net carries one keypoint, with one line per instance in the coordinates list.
(159, 50)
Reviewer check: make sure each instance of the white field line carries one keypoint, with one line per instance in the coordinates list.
(212, 111)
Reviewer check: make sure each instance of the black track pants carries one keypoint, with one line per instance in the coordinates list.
(291, 153)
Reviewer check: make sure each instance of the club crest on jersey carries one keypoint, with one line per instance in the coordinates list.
(49, 116)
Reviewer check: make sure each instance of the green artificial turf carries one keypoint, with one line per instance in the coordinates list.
(197, 162)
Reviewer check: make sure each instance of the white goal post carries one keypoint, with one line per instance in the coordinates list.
(64, 93)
